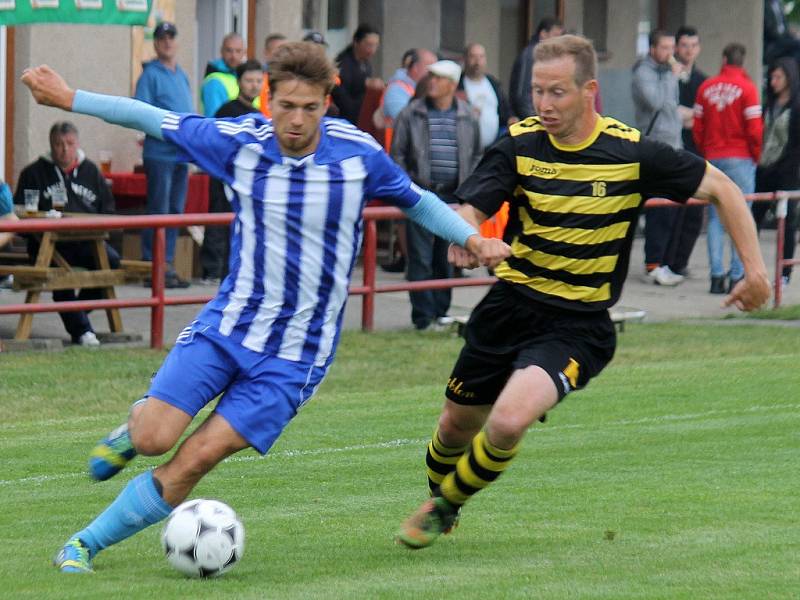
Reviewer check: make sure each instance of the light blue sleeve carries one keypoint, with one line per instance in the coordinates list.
(395, 100)
(121, 111)
(438, 218)
(6, 201)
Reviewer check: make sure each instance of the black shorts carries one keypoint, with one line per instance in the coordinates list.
(508, 331)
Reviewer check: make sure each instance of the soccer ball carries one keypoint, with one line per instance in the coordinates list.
(203, 538)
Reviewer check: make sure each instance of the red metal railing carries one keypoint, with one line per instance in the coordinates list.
(368, 289)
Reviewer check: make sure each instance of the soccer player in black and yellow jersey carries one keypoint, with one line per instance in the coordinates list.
(577, 182)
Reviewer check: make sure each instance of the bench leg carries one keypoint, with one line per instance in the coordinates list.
(26, 319)
(114, 318)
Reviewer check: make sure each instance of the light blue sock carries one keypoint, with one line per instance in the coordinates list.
(138, 506)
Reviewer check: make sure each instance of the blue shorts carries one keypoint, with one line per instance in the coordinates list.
(261, 393)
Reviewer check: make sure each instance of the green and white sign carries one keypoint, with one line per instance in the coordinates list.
(96, 12)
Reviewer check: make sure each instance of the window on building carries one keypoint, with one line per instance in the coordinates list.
(451, 27)
(595, 25)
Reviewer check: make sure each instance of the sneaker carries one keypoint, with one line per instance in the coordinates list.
(784, 281)
(210, 281)
(172, 281)
(73, 558)
(7, 282)
(717, 284)
(663, 275)
(112, 454)
(89, 340)
(435, 517)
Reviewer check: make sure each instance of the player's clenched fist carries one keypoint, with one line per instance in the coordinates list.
(48, 87)
(488, 252)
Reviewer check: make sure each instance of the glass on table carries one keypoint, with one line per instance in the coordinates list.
(59, 199)
(31, 201)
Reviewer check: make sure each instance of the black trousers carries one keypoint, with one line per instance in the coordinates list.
(80, 254)
(216, 248)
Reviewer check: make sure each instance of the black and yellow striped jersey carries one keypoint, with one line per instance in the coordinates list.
(574, 208)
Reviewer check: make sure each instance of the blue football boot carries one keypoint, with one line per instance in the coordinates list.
(73, 558)
(112, 454)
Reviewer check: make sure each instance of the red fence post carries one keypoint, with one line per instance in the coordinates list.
(157, 283)
(781, 209)
(370, 260)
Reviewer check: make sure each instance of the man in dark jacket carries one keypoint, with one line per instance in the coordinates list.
(437, 142)
(355, 73)
(65, 178)
(519, 90)
(487, 100)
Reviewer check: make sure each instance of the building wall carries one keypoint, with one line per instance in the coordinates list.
(411, 24)
(277, 16)
(96, 58)
(482, 24)
(721, 22)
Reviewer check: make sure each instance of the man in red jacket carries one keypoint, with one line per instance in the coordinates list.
(728, 132)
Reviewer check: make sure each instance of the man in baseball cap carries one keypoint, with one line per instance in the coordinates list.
(165, 29)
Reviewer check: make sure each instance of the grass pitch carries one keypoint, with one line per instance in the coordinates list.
(673, 475)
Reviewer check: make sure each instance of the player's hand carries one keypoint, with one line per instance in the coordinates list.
(48, 87)
(751, 293)
(461, 258)
(488, 252)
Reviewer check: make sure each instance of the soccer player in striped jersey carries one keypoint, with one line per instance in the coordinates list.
(577, 182)
(298, 184)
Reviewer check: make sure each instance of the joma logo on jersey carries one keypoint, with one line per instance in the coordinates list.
(457, 387)
(540, 170)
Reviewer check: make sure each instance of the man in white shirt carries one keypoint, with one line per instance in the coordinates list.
(485, 96)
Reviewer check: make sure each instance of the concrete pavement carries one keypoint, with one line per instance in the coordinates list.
(689, 300)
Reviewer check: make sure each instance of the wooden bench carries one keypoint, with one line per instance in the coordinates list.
(136, 270)
(52, 272)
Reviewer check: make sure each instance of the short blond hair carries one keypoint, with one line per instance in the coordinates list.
(576, 46)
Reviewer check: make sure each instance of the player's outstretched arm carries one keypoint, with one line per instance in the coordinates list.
(754, 290)
(50, 89)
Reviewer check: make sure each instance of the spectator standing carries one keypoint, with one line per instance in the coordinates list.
(215, 250)
(688, 220)
(271, 44)
(355, 72)
(402, 84)
(655, 97)
(437, 142)
(728, 133)
(219, 85)
(779, 166)
(399, 92)
(66, 178)
(165, 85)
(519, 90)
(485, 96)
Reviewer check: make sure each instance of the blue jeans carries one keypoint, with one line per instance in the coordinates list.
(743, 173)
(427, 259)
(166, 194)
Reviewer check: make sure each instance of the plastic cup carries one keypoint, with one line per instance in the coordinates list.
(105, 161)
(31, 201)
(59, 199)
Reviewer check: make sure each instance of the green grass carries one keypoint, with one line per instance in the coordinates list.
(686, 448)
(786, 312)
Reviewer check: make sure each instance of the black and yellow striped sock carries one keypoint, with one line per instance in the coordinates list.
(476, 469)
(441, 460)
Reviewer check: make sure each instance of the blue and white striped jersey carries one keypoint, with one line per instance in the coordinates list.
(297, 230)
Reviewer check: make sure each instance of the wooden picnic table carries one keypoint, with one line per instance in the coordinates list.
(51, 271)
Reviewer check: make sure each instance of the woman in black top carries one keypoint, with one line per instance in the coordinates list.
(779, 167)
